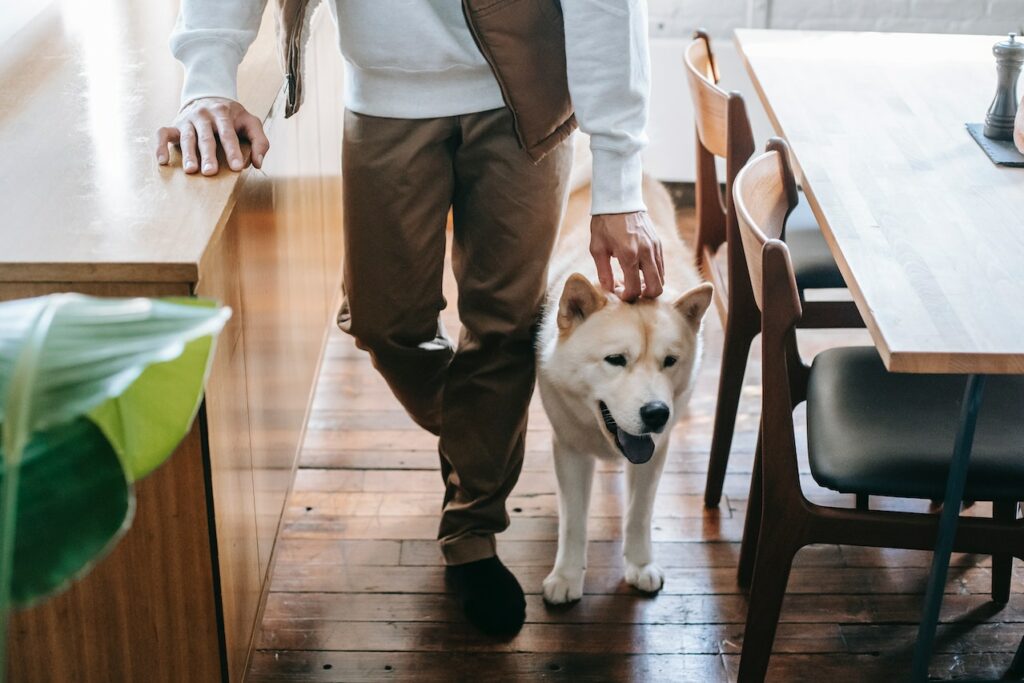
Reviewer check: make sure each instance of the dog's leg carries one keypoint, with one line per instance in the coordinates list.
(575, 473)
(641, 571)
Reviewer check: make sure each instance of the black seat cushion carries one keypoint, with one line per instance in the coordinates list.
(891, 434)
(813, 264)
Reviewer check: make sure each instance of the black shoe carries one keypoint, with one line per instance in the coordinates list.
(489, 595)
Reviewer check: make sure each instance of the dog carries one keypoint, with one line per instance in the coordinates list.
(614, 378)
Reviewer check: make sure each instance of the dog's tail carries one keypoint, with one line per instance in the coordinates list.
(660, 206)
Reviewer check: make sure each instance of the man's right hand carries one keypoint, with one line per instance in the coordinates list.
(201, 124)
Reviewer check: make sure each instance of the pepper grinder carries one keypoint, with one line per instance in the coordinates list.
(1009, 60)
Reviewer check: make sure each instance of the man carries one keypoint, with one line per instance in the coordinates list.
(462, 106)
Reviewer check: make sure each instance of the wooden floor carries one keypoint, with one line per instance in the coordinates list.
(358, 591)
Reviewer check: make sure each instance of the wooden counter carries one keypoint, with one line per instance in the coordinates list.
(85, 208)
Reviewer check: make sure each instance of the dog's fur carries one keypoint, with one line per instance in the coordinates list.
(583, 326)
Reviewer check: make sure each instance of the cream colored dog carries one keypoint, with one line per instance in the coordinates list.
(614, 378)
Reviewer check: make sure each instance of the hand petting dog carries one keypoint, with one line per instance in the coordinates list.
(632, 241)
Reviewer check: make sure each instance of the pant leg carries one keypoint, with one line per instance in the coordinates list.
(398, 183)
(506, 213)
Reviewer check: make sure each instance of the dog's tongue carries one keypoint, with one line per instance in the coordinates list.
(638, 449)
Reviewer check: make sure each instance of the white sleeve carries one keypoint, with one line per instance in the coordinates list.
(210, 39)
(609, 69)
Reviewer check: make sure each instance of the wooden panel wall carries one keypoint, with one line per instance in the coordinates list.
(283, 257)
(229, 444)
(285, 218)
(330, 100)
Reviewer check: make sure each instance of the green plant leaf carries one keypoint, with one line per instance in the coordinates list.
(65, 484)
(91, 350)
(74, 503)
(147, 420)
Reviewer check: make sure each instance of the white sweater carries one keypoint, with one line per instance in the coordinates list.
(417, 59)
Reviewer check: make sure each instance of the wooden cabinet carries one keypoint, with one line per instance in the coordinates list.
(179, 598)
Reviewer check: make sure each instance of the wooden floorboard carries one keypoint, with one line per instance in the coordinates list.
(358, 591)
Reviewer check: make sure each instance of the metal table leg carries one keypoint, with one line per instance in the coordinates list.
(947, 526)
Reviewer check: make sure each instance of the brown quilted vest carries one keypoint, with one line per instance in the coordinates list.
(522, 40)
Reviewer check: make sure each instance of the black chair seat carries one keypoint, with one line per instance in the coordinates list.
(873, 432)
(813, 264)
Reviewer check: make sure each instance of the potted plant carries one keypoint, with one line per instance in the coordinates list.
(95, 393)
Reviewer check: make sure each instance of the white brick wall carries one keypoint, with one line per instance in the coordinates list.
(670, 155)
(678, 18)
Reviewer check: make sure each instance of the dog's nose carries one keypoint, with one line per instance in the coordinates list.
(655, 415)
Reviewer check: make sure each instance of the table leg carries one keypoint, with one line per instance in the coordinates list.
(947, 526)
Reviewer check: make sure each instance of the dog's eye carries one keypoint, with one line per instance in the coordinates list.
(670, 361)
(617, 360)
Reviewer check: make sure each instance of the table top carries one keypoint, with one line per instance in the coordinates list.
(927, 232)
(81, 195)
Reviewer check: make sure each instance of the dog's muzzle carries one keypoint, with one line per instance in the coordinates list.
(637, 449)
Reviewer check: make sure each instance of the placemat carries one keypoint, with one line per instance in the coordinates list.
(1001, 152)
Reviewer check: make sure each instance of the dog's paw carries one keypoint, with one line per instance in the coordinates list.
(563, 587)
(648, 577)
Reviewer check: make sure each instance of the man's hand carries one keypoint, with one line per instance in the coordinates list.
(201, 124)
(1018, 128)
(631, 239)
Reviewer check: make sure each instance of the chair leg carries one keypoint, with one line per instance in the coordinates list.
(1002, 565)
(863, 501)
(774, 559)
(730, 383)
(751, 523)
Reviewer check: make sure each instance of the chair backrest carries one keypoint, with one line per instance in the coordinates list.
(710, 103)
(765, 193)
(723, 130)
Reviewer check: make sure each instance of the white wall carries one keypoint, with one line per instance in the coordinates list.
(671, 152)
(678, 18)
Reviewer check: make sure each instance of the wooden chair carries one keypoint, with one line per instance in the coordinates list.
(869, 432)
(723, 130)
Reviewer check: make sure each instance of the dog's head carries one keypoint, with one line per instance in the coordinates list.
(632, 363)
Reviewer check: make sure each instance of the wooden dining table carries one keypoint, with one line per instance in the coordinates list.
(927, 231)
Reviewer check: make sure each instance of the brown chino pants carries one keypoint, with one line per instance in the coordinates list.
(401, 177)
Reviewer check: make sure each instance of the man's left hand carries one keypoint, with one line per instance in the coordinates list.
(1018, 128)
(631, 240)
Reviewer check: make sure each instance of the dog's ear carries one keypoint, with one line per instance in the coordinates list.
(580, 299)
(694, 304)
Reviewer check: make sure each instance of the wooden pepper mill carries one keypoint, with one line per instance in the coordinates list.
(1009, 60)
